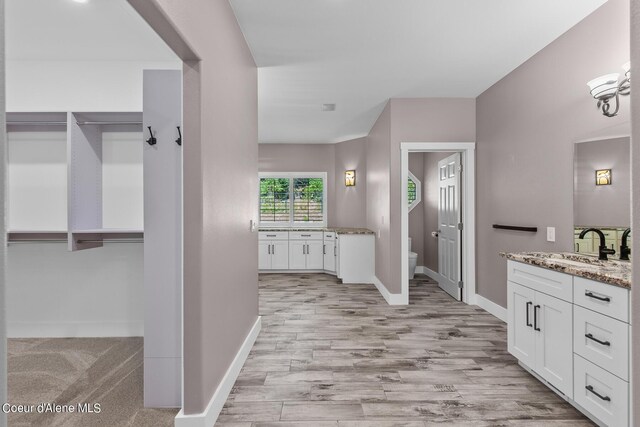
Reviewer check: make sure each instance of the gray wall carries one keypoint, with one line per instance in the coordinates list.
(3, 246)
(302, 158)
(416, 216)
(430, 186)
(350, 203)
(635, 171)
(220, 147)
(602, 205)
(378, 193)
(419, 120)
(527, 125)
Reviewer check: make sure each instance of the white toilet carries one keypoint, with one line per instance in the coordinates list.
(413, 261)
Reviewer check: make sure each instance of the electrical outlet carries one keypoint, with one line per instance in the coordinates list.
(551, 234)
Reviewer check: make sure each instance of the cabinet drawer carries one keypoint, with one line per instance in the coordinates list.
(606, 299)
(329, 235)
(305, 235)
(552, 283)
(274, 235)
(602, 340)
(611, 403)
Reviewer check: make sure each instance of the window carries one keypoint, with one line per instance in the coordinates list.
(414, 191)
(293, 199)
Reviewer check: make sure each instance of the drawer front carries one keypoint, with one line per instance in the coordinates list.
(329, 235)
(611, 403)
(552, 283)
(606, 299)
(602, 340)
(305, 235)
(274, 235)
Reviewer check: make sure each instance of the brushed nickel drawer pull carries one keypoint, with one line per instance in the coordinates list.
(592, 295)
(592, 338)
(605, 398)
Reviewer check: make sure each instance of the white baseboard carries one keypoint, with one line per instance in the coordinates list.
(392, 299)
(210, 414)
(421, 269)
(491, 307)
(74, 329)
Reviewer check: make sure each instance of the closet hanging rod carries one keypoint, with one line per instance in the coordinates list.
(109, 123)
(111, 241)
(27, 123)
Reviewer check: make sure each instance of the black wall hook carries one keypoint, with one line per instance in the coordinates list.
(152, 140)
(179, 140)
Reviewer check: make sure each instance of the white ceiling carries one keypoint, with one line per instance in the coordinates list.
(360, 53)
(105, 30)
(355, 53)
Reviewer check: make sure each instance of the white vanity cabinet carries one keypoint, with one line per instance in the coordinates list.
(306, 250)
(572, 333)
(540, 325)
(273, 251)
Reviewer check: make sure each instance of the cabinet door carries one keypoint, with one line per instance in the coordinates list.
(554, 343)
(264, 255)
(280, 255)
(315, 258)
(521, 338)
(330, 255)
(297, 254)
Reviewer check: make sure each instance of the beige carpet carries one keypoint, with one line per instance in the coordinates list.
(107, 371)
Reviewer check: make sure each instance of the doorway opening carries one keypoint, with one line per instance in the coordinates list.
(446, 251)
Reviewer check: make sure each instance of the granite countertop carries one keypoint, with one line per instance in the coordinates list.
(613, 272)
(337, 230)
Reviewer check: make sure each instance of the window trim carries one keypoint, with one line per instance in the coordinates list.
(418, 199)
(291, 176)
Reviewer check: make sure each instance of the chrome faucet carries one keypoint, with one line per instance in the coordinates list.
(603, 250)
(625, 251)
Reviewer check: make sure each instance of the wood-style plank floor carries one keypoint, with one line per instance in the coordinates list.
(338, 355)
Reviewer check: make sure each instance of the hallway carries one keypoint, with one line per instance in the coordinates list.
(338, 355)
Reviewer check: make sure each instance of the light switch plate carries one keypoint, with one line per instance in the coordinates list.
(551, 234)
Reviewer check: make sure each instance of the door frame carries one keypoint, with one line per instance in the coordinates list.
(468, 153)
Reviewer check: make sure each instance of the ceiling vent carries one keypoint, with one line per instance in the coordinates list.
(328, 107)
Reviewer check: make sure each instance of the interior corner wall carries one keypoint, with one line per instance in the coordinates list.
(220, 188)
(350, 203)
(635, 210)
(378, 188)
(416, 216)
(419, 120)
(533, 116)
(3, 246)
(302, 158)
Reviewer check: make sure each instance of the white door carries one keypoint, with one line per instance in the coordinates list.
(315, 257)
(521, 339)
(330, 255)
(449, 223)
(297, 254)
(553, 325)
(280, 255)
(264, 255)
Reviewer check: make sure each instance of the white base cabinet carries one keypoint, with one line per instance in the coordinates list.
(273, 251)
(351, 257)
(573, 333)
(539, 335)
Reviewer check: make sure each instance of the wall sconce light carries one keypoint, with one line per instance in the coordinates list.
(605, 88)
(603, 177)
(350, 178)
